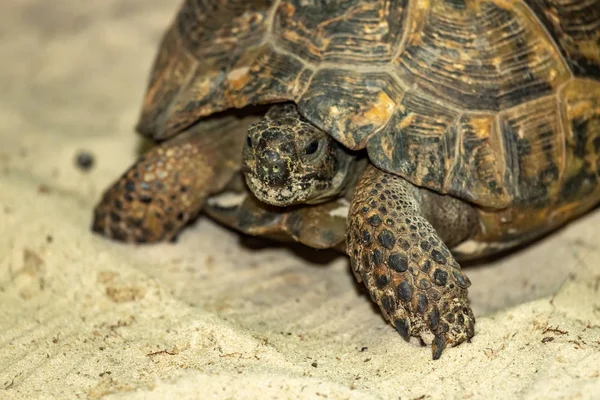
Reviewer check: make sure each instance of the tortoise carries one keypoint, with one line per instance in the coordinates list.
(453, 127)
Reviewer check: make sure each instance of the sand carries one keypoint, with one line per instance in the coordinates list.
(216, 315)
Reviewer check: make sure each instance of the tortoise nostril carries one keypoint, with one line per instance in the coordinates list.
(273, 169)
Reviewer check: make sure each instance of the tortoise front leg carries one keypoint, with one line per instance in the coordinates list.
(405, 265)
(161, 192)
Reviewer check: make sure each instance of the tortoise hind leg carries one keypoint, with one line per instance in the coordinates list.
(405, 265)
(161, 192)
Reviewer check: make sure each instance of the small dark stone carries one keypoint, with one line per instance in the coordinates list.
(386, 238)
(401, 326)
(450, 318)
(180, 216)
(438, 257)
(377, 257)
(84, 160)
(388, 304)
(389, 222)
(397, 262)
(440, 277)
(404, 291)
(424, 284)
(461, 319)
(383, 210)
(118, 204)
(375, 220)
(426, 266)
(425, 246)
(422, 303)
(381, 281)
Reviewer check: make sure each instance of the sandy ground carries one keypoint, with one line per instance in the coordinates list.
(214, 315)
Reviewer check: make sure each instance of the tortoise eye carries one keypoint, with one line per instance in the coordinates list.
(311, 148)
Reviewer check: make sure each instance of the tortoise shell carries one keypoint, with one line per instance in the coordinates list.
(493, 101)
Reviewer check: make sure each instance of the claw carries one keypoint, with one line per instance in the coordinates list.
(438, 346)
(401, 326)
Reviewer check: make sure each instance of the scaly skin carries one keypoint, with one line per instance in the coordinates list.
(157, 196)
(168, 186)
(409, 271)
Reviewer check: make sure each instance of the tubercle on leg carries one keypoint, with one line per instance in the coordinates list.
(409, 271)
(158, 194)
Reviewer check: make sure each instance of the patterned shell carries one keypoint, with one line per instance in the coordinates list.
(493, 101)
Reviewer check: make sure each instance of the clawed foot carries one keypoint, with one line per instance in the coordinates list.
(409, 271)
(158, 195)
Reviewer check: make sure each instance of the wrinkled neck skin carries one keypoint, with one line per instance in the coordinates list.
(288, 161)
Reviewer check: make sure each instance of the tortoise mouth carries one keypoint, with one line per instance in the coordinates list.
(282, 196)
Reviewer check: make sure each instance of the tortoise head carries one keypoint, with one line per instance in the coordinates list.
(288, 160)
